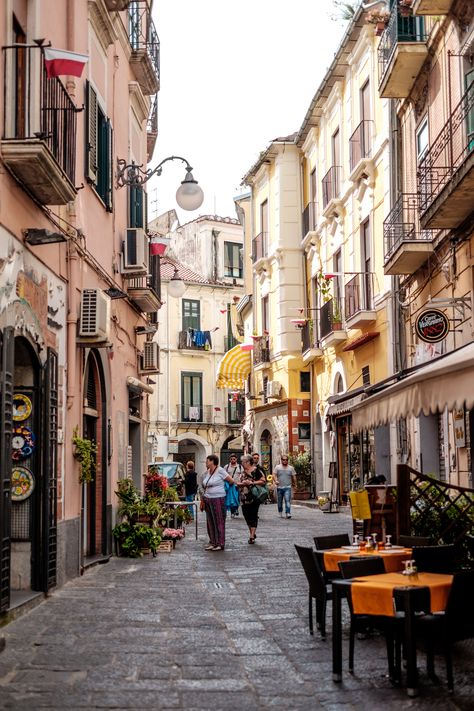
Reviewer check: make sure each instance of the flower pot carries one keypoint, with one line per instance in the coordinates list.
(379, 28)
(301, 495)
(336, 326)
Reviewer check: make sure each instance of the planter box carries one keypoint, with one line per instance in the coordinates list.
(301, 495)
(165, 547)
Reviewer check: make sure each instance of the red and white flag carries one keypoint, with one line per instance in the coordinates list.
(59, 62)
(159, 245)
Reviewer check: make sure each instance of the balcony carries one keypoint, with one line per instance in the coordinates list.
(39, 141)
(143, 38)
(358, 301)
(446, 173)
(309, 220)
(261, 351)
(331, 185)
(360, 148)
(117, 5)
(310, 347)
(260, 247)
(330, 324)
(145, 291)
(211, 414)
(406, 245)
(152, 128)
(192, 339)
(401, 54)
(431, 7)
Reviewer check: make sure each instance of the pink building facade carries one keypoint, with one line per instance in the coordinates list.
(79, 290)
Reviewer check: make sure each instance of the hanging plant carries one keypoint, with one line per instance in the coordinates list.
(324, 283)
(85, 451)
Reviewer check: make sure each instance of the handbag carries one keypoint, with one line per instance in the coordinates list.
(259, 493)
(202, 505)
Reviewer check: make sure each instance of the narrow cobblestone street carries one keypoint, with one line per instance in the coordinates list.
(203, 630)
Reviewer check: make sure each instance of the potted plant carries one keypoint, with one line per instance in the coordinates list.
(324, 283)
(379, 18)
(85, 451)
(405, 7)
(301, 461)
(336, 317)
(139, 530)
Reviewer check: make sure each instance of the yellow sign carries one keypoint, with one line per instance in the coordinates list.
(360, 506)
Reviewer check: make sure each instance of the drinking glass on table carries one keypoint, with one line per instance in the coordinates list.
(388, 540)
(355, 540)
(374, 539)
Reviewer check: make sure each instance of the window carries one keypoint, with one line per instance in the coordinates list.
(233, 266)
(366, 276)
(304, 430)
(305, 382)
(191, 397)
(191, 314)
(264, 227)
(136, 207)
(99, 143)
(422, 139)
(265, 324)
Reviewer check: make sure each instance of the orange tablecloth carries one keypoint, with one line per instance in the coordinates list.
(393, 559)
(373, 595)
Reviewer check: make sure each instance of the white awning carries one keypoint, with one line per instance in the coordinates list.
(447, 381)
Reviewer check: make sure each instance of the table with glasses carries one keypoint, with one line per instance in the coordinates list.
(374, 595)
(393, 558)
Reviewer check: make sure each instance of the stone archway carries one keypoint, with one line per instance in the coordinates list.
(192, 446)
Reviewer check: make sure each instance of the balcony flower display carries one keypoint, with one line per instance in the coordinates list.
(405, 7)
(379, 18)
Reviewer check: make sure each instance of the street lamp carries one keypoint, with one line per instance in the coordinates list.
(189, 195)
(176, 286)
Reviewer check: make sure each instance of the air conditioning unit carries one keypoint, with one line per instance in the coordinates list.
(135, 255)
(150, 358)
(273, 388)
(94, 323)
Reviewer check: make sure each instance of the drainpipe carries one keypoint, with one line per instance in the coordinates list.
(215, 235)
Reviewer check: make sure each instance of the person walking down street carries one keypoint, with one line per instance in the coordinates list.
(190, 485)
(213, 488)
(234, 469)
(250, 476)
(256, 461)
(284, 477)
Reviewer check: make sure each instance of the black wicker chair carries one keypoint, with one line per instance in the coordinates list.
(318, 588)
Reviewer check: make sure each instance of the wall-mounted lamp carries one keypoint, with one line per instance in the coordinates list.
(189, 195)
(36, 236)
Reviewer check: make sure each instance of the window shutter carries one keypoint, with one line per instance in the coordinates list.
(49, 473)
(7, 344)
(91, 137)
(110, 172)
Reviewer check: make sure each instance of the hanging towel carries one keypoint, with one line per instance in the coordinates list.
(193, 412)
(207, 339)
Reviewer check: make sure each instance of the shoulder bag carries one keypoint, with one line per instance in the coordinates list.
(259, 493)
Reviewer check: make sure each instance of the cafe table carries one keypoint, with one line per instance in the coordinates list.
(392, 557)
(373, 595)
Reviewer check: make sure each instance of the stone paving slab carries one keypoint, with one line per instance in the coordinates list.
(198, 630)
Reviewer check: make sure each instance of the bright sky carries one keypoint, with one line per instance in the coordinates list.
(233, 77)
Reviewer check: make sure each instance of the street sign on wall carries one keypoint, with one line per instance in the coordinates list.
(432, 325)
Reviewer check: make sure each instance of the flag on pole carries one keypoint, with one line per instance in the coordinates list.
(159, 245)
(58, 62)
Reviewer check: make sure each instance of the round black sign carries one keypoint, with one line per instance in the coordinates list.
(432, 326)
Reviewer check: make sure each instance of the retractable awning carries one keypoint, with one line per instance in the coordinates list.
(234, 368)
(447, 381)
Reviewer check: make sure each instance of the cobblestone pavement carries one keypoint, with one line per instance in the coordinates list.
(203, 630)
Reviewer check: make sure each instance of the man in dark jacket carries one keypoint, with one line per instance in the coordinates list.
(190, 485)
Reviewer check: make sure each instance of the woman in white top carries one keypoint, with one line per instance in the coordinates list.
(214, 502)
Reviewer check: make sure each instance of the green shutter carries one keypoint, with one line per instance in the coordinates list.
(109, 200)
(91, 134)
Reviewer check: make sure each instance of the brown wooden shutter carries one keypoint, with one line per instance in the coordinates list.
(49, 471)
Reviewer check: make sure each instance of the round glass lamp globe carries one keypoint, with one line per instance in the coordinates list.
(176, 288)
(189, 195)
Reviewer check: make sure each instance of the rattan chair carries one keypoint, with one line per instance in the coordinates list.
(318, 588)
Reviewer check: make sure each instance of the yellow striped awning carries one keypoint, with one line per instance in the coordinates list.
(234, 368)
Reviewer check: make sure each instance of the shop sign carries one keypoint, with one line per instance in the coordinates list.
(173, 446)
(459, 428)
(432, 326)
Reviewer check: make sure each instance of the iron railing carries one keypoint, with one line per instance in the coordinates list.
(142, 34)
(331, 184)
(309, 337)
(236, 411)
(360, 143)
(399, 29)
(261, 350)
(403, 224)
(449, 151)
(152, 121)
(260, 246)
(329, 317)
(35, 107)
(309, 218)
(209, 414)
(230, 342)
(357, 295)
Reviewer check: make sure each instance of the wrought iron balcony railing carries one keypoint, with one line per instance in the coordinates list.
(211, 414)
(399, 29)
(309, 218)
(38, 108)
(261, 350)
(403, 225)
(331, 184)
(360, 143)
(194, 340)
(358, 295)
(152, 127)
(330, 318)
(448, 152)
(260, 246)
(309, 338)
(236, 411)
(145, 44)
